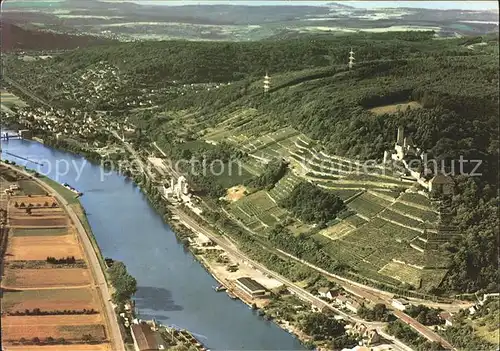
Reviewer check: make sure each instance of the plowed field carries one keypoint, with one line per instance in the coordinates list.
(25, 248)
(49, 300)
(44, 278)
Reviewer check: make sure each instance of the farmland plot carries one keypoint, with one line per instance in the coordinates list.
(400, 219)
(427, 216)
(34, 200)
(284, 187)
(30, 187)
(37, 211)
(67, 327)
(417, 199)
(402, 273)
(70, 347)
(45, 278)
(337, 231)
(355, 221)
(23, 248)
(365, 207)
(38, 221)
(39, 231)
(49, 300)
(257, 208)
(395, 108)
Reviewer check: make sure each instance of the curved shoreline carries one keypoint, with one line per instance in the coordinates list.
(178, 234)
(91, 254)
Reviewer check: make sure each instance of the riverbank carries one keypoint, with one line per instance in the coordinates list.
(218, 263)
(91, 255)
(74, 202)
(226, 279)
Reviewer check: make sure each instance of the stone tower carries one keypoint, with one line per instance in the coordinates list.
(401, 135)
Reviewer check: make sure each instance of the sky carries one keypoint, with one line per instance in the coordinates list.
(442, 5)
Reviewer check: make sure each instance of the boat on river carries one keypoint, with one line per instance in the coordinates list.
(220, 288)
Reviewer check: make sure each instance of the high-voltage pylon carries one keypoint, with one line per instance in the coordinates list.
(267, 83)
(351, 59)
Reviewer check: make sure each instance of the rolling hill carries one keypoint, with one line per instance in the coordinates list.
(15, 38)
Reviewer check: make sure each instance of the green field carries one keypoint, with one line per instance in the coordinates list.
(10, 100)
(30, 187)
(355, 221)
(403, 273)
(39, 231)
(416, 199)
(67, 194)
(426, 216)
(365, 206)
(284, 187)
(345, 194)
(403, 220)
(257, 211)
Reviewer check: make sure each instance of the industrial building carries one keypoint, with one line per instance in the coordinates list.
(251, 287)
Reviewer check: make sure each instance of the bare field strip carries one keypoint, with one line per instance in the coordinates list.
(390, 109)
(46, 278)
(338, 230)
(402, 273)
(49, 300)
(72, 347)
(25, 248)
(58, 330)
(80, 319)
(36, 211)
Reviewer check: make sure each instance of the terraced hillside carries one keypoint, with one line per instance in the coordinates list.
(386, 228)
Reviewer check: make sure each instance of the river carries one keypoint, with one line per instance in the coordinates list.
(173, 287)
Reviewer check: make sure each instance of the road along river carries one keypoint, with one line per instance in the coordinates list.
(173, 287)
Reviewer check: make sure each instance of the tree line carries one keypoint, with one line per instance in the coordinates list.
(38, 312)
(125, 285)
(64, 260)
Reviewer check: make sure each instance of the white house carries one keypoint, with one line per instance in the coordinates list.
(447, 317)
(400, 304)
(323, 292)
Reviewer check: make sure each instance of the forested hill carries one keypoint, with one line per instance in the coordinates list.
(454, 82)
(158, 62)
(15, 38)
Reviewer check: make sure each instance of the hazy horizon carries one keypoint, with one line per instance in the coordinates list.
(438, 5)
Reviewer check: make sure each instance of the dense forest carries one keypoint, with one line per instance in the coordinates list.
(456, 88)
(274, 171)
(313, 204)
